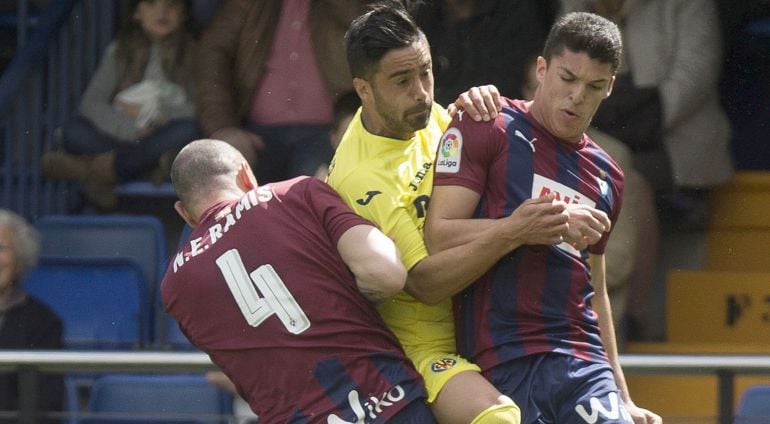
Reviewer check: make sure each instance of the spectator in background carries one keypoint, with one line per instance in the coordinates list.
(25, 322)
(476, 42)
(665, 107)
(268, 74)
(138, 109)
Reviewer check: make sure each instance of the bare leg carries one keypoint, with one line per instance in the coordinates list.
(465, 396)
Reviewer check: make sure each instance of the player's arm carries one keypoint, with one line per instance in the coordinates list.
(601, 304)
(374, 260)
(482, 243)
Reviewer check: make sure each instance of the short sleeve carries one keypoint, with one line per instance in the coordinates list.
(336, 217)
(382, 207)
(466, 152)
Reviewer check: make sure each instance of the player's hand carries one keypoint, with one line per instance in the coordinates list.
(643, 416)
(586, 226)
(481, 103)
(540, 221)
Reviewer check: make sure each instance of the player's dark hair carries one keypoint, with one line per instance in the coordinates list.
(385, 27)
(585, 32)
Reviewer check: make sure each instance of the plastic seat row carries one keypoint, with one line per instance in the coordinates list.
(150, 399)
(101, 274)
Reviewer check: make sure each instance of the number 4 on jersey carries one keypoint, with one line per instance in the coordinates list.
(275, 297)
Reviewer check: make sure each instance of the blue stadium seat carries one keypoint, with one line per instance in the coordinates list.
(139, 237)
(754, 407)
(101, 301)
(167, 332)
(154, 398)
(142, 238)
(171, 337)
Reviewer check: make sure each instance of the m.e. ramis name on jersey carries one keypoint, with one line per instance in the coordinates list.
(226, 220)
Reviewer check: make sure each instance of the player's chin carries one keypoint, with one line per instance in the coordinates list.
(418, 121)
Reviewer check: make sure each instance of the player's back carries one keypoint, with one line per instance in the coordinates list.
(261, 288)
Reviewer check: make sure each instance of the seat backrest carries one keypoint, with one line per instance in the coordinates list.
(101, 301)
(139, 237)
(172, 336)
(754, 407)
(158, 398)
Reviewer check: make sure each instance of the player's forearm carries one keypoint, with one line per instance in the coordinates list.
(603, 309)
(447, 272)
(442, 234)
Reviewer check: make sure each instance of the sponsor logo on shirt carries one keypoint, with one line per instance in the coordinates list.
(604, 188)
(420, 175)
(443, 364)
(370, 408)
(450, 151)
(542, 186)
(531, 143)
(369, 196)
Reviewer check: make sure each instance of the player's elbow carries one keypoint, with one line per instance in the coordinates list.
(392, 279)
(382, 281)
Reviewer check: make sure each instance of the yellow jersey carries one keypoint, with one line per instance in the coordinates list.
(389, 182)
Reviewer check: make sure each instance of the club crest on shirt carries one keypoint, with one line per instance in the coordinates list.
(604, 188)
(443, 364)
(450, 151)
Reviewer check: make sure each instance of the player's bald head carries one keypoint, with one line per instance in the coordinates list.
(204, 166)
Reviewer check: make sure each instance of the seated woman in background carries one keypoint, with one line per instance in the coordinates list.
(138, 108)
(25, 322)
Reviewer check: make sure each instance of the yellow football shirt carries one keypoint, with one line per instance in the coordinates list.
(389, 182)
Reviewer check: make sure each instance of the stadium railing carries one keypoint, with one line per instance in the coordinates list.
(29, 363)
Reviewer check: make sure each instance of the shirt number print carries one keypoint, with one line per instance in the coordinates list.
(261, 293)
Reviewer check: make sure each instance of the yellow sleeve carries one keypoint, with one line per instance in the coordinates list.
(383, 208)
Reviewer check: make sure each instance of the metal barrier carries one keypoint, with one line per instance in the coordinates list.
(29, 363)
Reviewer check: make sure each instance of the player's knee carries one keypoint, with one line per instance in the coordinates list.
(507, 413)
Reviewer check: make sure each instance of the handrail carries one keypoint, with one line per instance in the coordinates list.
(163, 361)
(102, 361)
(725, 367)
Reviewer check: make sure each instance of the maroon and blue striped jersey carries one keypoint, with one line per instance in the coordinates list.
(537, 298)
(260, 286)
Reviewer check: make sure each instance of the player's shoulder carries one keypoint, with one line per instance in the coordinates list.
(440, 116)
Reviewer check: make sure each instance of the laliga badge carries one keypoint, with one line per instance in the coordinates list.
(450, 151)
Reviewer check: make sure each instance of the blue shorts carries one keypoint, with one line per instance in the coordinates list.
(417, 412)
(556, 388)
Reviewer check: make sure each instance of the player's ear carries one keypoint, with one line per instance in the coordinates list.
(186, 216)
(246, 178)
(540, 67)
(610, 86)
(363, 89)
